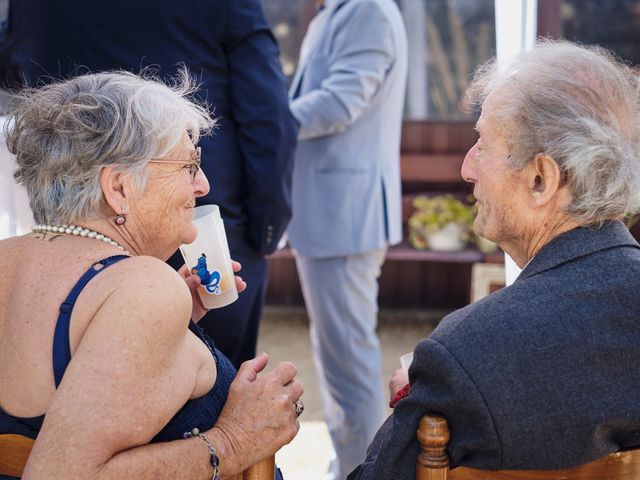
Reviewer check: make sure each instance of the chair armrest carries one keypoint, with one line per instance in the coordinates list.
(433, 435)
(264, 470)
(14, 452)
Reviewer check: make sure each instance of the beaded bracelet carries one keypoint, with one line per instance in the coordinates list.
(215, 461)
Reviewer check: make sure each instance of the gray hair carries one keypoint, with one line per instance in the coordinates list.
(580, 106)
(64, 133)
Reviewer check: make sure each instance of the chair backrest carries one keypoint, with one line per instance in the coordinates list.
(15, 450)
(433, 462)
(264, 470)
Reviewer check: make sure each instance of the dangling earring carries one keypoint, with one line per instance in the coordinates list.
(120, 219)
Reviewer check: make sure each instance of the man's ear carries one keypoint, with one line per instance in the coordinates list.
(544, 179)
(116, 190)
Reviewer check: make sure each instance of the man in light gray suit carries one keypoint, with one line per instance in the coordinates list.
(542, 374)
(348, 95)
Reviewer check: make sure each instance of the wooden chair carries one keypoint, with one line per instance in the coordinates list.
(15, 450)
(433, 463)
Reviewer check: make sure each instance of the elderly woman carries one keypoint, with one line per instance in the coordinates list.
(99, 353)
(541, 374)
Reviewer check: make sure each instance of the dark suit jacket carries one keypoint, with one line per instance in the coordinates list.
(541, 374)
(227, 44)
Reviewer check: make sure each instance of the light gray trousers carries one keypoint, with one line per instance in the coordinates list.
(341, 296)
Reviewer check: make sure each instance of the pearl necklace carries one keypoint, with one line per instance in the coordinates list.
(77, 231)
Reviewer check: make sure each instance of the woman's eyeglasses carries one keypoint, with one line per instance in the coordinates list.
(192, 165)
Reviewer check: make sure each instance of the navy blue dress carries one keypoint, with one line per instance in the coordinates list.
(199, 413)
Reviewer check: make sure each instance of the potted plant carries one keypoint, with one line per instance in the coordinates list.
(440, 223)
(484, 245)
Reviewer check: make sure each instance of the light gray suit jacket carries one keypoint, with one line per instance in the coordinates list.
(348, 95)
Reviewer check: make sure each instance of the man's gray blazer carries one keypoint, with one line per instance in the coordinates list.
(348, 95)
(542, 374)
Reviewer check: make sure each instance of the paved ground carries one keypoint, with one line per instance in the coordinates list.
(284, 335)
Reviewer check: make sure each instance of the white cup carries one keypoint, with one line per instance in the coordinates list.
(208, 257)
(405, 361)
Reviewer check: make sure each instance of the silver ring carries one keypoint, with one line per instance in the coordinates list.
(299, 407)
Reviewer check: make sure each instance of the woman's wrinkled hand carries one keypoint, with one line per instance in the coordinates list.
(398, 380)
(259, 415)
(193, 282)
(241, 285)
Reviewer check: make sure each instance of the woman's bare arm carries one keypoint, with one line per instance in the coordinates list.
(128, 376)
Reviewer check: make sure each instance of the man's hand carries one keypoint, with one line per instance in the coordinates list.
(398, 380)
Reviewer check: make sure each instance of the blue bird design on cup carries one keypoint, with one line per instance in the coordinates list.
(209, 280)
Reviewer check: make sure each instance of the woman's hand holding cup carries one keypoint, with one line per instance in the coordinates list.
(193, 282)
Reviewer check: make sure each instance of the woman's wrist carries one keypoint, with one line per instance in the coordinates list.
(230, 462)
(213, 453)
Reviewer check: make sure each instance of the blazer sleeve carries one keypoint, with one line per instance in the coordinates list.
(439, 384)
(9, 72)
(360, 55)
(266, 130)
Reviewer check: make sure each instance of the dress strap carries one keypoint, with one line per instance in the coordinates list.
(61, 346)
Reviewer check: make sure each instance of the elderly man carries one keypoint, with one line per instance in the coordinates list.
(542, 374)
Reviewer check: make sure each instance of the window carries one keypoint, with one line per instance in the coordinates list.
(448, 39)
(289, 20)
(612, 24)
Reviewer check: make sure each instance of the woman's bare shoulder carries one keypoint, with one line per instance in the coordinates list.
(146, 270)
(9, 247)
(150, 291)
(151, 277)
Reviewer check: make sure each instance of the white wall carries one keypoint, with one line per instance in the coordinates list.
(516, 29)
(15, 214)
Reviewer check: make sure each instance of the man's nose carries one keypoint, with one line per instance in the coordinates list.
(468, 165)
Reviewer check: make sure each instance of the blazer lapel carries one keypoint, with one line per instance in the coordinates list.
(315, 33)
(316, 26)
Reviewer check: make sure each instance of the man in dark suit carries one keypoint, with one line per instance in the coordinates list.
(543, 373)
(229, 47)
